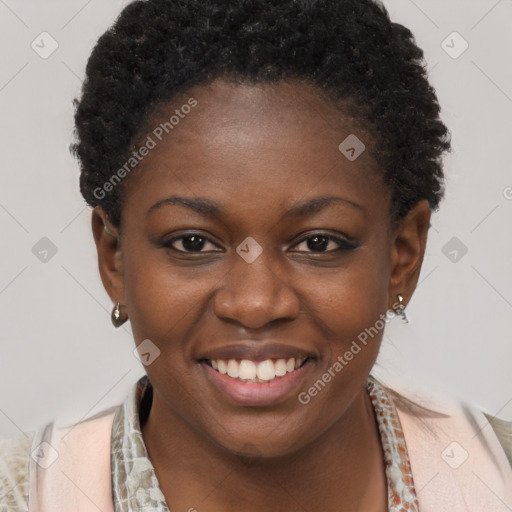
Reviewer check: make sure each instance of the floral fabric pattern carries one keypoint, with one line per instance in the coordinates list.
(401, 493)
(135, 487)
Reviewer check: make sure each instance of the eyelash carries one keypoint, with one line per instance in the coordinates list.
(344, 245)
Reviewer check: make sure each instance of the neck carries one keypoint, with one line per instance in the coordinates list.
(342, 470)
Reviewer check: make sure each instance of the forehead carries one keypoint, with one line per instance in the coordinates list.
(252, 144)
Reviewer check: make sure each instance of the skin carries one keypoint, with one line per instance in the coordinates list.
(257, 150)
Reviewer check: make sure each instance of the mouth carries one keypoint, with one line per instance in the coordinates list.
(257, 382)
(264, 371)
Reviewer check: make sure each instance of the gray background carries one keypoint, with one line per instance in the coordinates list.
(60, 356)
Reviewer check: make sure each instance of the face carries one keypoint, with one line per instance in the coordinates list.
(251, 244)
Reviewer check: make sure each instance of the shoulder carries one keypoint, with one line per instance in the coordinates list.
(453, 448)
(14, 462)
(503, 431)
(432, 408)
(442, 410)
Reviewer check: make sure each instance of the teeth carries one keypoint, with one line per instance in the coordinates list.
(252, 371)
(247, 370)
(280, 366)
(266, 370)
(223, 367)
(233, 368)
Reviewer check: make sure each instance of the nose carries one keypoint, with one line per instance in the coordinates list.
(253, 295)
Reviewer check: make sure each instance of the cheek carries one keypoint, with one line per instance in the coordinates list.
(350, 300)
(162, 300)
(350, 307)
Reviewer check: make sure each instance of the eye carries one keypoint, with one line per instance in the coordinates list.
(324, 243)
(191, 242)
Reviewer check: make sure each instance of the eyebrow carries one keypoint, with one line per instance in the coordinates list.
(213, 209)
(204, 206)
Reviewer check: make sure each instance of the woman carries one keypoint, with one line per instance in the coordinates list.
(262, 175)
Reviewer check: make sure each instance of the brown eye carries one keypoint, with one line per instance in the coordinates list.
(323, 243)
(318, 243)
(189, 243)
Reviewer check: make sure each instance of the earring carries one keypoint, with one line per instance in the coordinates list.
(401, 309)
(116, 316)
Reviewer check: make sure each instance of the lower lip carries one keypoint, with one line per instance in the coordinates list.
(257, 393)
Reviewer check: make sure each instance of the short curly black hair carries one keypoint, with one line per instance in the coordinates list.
(349, 49)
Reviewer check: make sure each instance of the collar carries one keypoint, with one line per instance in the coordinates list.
(135, 487)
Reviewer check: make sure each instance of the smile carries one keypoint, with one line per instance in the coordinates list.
(266, 382)
(246, 370)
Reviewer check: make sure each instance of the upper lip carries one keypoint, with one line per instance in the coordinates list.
(256, 351)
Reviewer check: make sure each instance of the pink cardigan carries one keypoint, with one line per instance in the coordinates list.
(458, 463)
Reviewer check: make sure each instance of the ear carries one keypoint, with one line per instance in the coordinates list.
(408, 244)
(110, 257)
